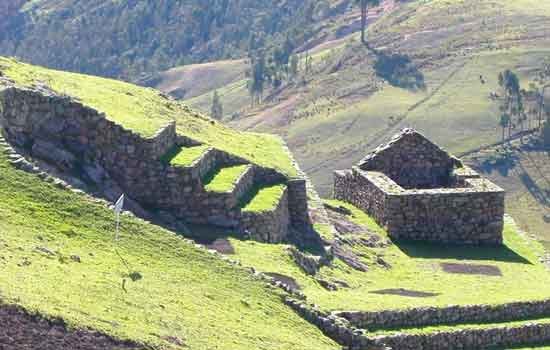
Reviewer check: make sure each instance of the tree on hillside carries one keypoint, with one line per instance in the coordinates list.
(364, 12)
(294, 63)
(504, 122)
(257, 78)
(217, 106)
(513, 100)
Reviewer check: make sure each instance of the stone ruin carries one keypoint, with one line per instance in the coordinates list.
(79, 143)
(417, 191)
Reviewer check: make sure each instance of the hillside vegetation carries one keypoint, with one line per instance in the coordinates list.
(59, 259)
(145, 111)
(355, 97)
(132, 39)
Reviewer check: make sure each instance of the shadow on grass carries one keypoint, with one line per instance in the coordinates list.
(208, 234)
(443, 251)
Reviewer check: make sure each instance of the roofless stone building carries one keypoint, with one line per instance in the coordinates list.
(417, 191)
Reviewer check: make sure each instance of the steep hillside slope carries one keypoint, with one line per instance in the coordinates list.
(521, 168)
(59, 258)
(145, 111)
(132, 39)
(349, 103)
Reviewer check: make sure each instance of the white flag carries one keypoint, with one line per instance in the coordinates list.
(119, 204)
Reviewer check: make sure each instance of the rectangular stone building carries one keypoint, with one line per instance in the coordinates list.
(417, 191)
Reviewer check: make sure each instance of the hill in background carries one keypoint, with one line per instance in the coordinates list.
(135, 39)
(432, 65)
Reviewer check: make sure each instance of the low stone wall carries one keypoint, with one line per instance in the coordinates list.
(428, 316)
(269, 226)
(352, 338)
(81, 141)
(298, 203)
(473, 214)
(412, 161)
(468, 338)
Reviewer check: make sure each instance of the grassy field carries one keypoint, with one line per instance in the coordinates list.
(416, 267)
(59, 258)
(145, 111)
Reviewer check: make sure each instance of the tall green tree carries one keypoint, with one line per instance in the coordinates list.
(364, 4)
(217, 106)
(504, 122)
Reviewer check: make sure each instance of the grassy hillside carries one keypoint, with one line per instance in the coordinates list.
(145, 111)
(414, 267)
(59, 258)
(521, 168)
(346, 106)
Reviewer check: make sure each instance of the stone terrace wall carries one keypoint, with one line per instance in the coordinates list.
(81, 140)
(460, 339)
(427, 316)
(412, 161)
(352, 338)
(269, 226)
(469, 215)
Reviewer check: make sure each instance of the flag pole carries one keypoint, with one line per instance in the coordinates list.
(119, 205)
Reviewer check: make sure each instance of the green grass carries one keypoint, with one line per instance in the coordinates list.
(224, 179)
(415, 266)
(186, 156)
(183, 291)
(145, 111)
(265, 199)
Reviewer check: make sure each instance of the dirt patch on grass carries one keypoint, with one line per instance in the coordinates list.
(289, 281)
(222, 246)
(349, 258)
(405, 293)
(471, 269)
(21, 330)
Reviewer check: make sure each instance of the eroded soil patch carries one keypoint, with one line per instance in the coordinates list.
(222, 246)
(21, 330)
(289, 281)
(471, 269)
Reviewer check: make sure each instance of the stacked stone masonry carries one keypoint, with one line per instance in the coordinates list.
(428, 316)
(443, 202)
(80, 140)
(353, 338)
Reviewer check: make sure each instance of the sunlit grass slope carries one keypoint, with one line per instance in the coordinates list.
(145, 111)
(150, 286)
(415, 266)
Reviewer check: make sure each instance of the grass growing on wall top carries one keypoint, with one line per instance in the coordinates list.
(186, 156)
(150, 286)
(145, 111)
(224, 179)
(265, 198)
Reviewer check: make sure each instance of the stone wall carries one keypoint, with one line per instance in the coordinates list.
(471, 214)
(459, 339)
(412, 161)
(269, 226)
(298, 203)
(82, 141)
(352, 338)
(427, 316)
